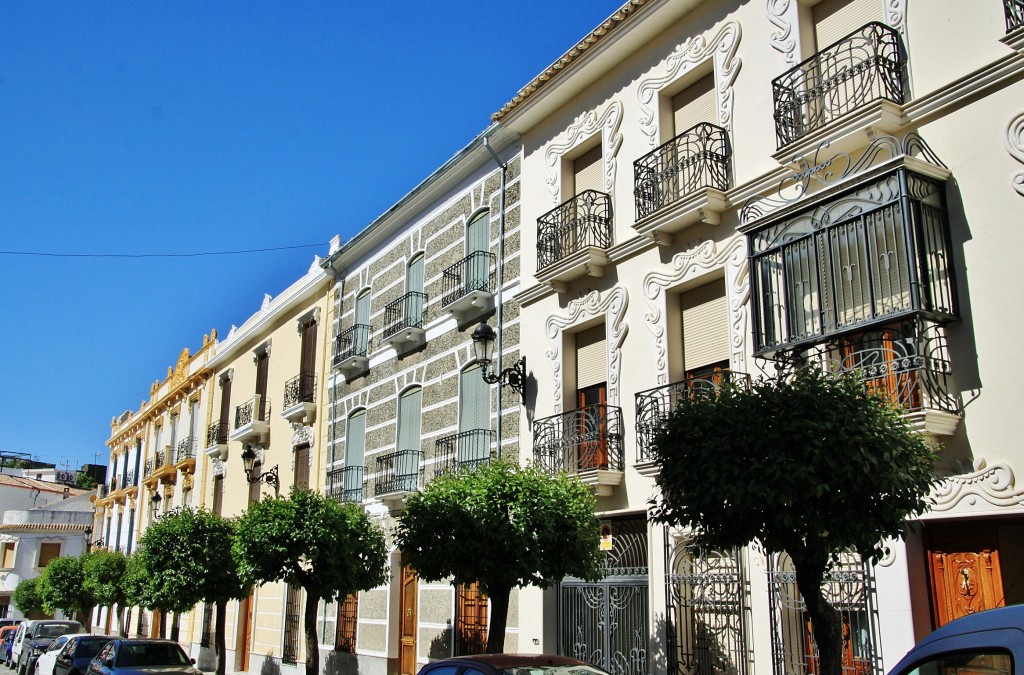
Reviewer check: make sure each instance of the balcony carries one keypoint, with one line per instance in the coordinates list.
(653, 407)
(690, 173)
(572, 239)
(346, 484)
(217, 440)
(398, 474)
(185, 455)
(1014, 11)
(866, 66)
(350, 349)
(467, 287)
(463, 450)
(160, 468)
(252, 421)
(586, 441)
(300, 398)
(403, 322)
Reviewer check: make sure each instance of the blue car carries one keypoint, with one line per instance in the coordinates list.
(74, 659)
(989, 643)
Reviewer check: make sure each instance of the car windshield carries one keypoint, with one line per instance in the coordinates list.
(58, 644)
(52, 630)
(89, 647)
(151, 654)
(552, 670)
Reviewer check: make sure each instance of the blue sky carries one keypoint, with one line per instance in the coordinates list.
(184, 127)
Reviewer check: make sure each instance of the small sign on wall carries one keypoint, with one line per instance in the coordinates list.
(606, 535)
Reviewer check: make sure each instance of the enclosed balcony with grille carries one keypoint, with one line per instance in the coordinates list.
(252, 420)
(351, 349)
(396, 474)
(467, 287)
(346, 484)
(464, 450)
(586, 441)
(299, 399)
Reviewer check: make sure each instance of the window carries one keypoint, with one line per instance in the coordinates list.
(409, 419)
(348, 617)
(694, 104)
(292, 613)
(301, 476)
(355, 456)
(474, 417)
(8, 552)
(705, 328)
(262, 371)
(47, 552)
(414, 287)
(361, 339)
(588, 171)
(218, 494)
(835, 19)
(989, 662)
(592, 395)
(131, 528)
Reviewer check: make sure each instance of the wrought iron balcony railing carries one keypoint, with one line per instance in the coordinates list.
(472, 273)
(300, 389)
(463, 450)
(406, 312)
(354, 341)
(1014, 10)
(867, 65)
(398, 472)
(256, 409)
(150, 467)
(697, 158)
(583, 221)
(346, 484)
(129, 479)
(186, 449)
(580, 440)
(217, 433)
(653, 406)
(104, 490)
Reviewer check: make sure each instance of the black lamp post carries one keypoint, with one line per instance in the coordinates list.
(268, 477)
(513, 377)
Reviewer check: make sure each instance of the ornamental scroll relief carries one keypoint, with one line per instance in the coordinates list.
(783, 14)
(1013, 140)
(993, 485)
(585, 126)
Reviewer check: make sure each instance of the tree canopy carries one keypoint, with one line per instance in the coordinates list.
(504, 526)
(26, 596)
(103, 573)
(809, 463)
(62, 586)
(312, 541)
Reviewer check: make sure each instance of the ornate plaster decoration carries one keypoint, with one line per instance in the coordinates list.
(991, 484)
(1014, 143)
(823, 171)
(896, 16)
(691, 264)
(265, 306)
(612, 306)
(585, 126)
(314, 267)
(722, 48)
(783, 15)
(303, 435)
(218, 466)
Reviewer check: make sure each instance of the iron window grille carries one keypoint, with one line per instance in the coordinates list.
(217, 434)
(867, 65)
(584, 439)
(1014, 11)
(290, 647)
(346, 484)
(300, 389)
(581, 222)
(697, 158)
(408, 311)
(354, 341)
(472, 273)
(398, 472)
(653, 406)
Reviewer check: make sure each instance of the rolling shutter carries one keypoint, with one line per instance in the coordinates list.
(474, 401)
(409, 420)
(355, 439)
(591, 357)
(695, 104)
(835, 19)
(588, 171)
(705, 326)
(478, 234)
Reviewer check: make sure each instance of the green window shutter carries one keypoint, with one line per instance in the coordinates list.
(474, 400)
(478, 235)
(409, 419)
(355, 439)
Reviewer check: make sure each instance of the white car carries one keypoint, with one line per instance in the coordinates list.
(44, 664)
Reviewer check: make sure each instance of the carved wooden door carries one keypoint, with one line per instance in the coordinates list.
(470, 620)
(407, 633)
(965, 573)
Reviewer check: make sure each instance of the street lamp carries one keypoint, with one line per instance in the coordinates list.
(268, 477)
(484, 338)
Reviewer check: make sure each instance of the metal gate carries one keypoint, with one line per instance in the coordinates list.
(850, 588)
(705, 593)
(606, 623)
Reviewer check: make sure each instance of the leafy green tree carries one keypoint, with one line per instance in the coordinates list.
(26, 596)
(104, 573)
(312, 541)
(188, 558)
(84, 481)
(807, 463)
(62, 586)
(504, 526)
(138, 584)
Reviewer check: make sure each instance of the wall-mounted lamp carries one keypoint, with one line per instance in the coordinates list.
(484, 338)
(89, 543)
(268, 477)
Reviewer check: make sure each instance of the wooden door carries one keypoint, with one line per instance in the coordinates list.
(470, 620)
(879, 357)
(245, 612)
(965, 573)
(592, 451)
(408, 622)
(262, 371)
(225, 413)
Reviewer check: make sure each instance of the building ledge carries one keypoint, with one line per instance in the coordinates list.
(354, 366)
(705, 205)
(470, 306)
(1014, 39)
(187, 465)
(407, 339)
(934, 422)
(300, 412)
(849, 132)
(587, 262)
(601, 481)
(648, 468)
(217, 451)
(256, 431)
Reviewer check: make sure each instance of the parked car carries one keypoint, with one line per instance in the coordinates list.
(74, 659)
(142, 657)
(8, 621)
(511, 664)
(34, 637)
(989, 643)
(44, 664)
(7, 634)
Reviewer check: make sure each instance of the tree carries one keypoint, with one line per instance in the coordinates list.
(85, 481)
(504, 526)
(808, 463)
(26, 596)
(104, 573)
(138, 586)
(188, 558)
(62, 586)
(312, 541)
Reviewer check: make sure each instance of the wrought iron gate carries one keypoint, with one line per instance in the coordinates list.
(606, 623)
(850, 588)
(705, 594)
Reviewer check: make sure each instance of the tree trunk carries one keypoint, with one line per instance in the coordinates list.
(220, 621)
(86, 621)
(309, 630)
(499, 595)
(174, 627)
(825, 621)
(122, 628)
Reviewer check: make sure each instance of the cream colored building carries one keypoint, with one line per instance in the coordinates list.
(711, 187)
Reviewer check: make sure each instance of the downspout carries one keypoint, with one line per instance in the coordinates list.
(330, 364)
(501, 260)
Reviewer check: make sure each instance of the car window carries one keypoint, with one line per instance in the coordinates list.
(53, 630)
(57, 644)
(989, 662)
(151, 654)
(443, 670)
(89, 647)
(107, 652)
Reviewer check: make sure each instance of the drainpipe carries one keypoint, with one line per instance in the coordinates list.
(340, 288)
(501, 260)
